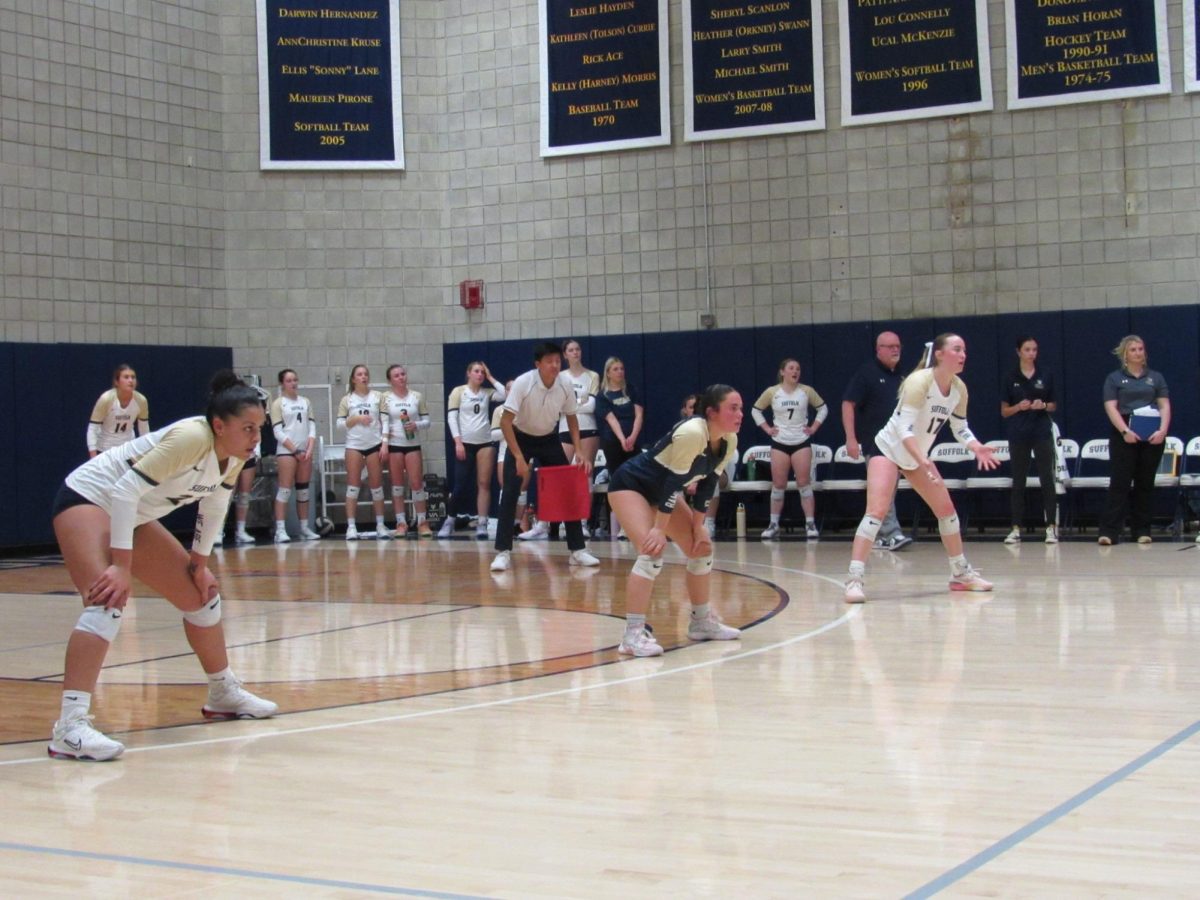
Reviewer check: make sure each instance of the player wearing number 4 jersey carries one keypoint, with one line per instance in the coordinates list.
(117, 413)
(295, 438)
(106, 522)
(929, 398)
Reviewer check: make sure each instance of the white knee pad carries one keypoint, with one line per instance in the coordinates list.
(948, 525)
(243, 501)
(522, 499)
(869, 528)
(206, 616)
(302, 492)
(397, 493)
(420, 496)
(352, 492)
(806, 492)
(777, 495)
(647, 567)
(99, 621)
(377, 493)
(701, 565)
(283, 495)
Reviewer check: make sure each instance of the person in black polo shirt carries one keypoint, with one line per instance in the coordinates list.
(867, 404)
(1134, 458)
(1028, 401)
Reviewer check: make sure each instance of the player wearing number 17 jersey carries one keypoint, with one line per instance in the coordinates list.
(929, 398)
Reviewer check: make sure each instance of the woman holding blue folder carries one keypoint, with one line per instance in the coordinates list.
(1136, 400)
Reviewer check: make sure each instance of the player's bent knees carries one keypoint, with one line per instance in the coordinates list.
(207, 615)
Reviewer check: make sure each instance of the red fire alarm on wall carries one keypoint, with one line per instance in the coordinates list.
(470, 294)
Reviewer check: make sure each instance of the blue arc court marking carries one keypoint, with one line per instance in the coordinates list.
(1005, 844)
(237, 873)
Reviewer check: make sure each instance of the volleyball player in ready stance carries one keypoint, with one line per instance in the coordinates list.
(646, 495)
(359, 416)
(295, 437)
(930, 396)
(113, 419)
(106, 522)
(406, 417)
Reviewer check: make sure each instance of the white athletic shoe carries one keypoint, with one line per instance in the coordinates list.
(854, 591)
(307, 534)
(639, 643)
(77, 739)
(539, 532)
(383, 534)
(352, 532)
(810, 531)
(229, 700)
(481, 532)
(502, 562)
(771, 532)
(583, 558)
(1014, 536)
(281, 536)
(447, 528)
(970, 580)
(241, 537)
(1051, 534)
(711, 628)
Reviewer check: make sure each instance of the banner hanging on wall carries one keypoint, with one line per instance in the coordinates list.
(604, 69)
(1086, 50)
(329, 85)
(913, 59)
(752, 69)
(1191, 64)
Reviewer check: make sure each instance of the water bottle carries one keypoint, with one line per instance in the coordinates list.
(751, 470)
(409, 429)
(741, 520)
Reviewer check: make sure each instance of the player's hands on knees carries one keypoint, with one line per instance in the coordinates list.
(655, 542)
(701, 542)
(206, 582)
(111, 589)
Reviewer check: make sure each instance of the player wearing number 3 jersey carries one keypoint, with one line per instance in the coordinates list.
(929, 398)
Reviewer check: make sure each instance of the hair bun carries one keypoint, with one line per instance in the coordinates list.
(223, 380)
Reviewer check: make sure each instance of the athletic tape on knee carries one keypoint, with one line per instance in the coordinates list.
(377, 493)
(99, 621)
(868, 528)
(948, 525)
(352, 492)
(420, 496)
(806, 492)
(302, 493)
(283, 495)
(647, 567)
(777, 495)
(701, 565)
(206, 616)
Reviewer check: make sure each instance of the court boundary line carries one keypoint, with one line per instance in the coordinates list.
(228, 871)
(985, 856)
(846, 616)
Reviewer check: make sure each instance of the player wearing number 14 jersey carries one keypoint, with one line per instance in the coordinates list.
(113, 418)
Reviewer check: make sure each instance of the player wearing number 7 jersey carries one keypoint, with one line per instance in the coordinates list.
(929, 398)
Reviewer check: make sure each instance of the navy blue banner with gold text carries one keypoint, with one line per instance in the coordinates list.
(1085, 50)
(604, 67)
(752, 68)
(913, 59)
(329, 84)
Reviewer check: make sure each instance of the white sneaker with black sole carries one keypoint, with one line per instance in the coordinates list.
(1014, 536)
(77, 739)
(229, 700)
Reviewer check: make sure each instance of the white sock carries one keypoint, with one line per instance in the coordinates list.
(700, 612)
(858, 569)
(379, 524)
(420, 517)
(775, 518)
(958, 564)
(219, 679)
(75, 705)
(634, 623)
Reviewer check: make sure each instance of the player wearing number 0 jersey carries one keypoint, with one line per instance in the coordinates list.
(105, 520)
(469, 418)
(117, 413)
(931, 396)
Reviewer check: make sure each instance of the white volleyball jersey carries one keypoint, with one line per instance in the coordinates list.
(586, 387)
(789, 411)
(292, 421)
(146, 478)
(468, 415)
(361, 436)
(921, 412)
(112, 424)
(396, 410)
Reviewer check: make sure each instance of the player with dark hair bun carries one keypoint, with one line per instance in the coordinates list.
(106, 522)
